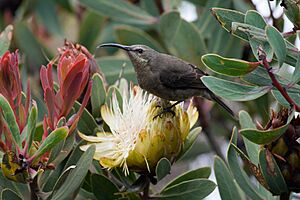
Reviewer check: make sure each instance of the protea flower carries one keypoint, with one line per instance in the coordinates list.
(11, 87)
(286, 149)
(77, 49)
(138, 139)
(73, 75)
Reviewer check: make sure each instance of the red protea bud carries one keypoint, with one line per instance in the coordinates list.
(73, 73)
(10, 80)
(78, 49)
(11, 87)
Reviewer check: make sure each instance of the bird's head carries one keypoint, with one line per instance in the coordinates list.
(138, 54)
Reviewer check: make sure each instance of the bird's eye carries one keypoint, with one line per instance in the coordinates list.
(140, 50)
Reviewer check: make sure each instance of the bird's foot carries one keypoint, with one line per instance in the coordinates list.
(164, 111)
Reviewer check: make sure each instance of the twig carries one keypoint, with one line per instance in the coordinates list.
(284, 196)
(145, 195)
(271, 12)
(34, 189)
(290, 33)
(275, 83)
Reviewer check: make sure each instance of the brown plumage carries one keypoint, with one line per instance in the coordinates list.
(166, 76)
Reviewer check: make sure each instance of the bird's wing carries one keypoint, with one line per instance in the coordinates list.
(182, 77)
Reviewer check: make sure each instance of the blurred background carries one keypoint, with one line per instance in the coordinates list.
(186, 29)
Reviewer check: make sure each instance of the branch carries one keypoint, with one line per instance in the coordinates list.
(275, 83)
(271, 12)
(145, 195)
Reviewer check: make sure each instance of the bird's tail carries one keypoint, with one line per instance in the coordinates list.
(221, 103)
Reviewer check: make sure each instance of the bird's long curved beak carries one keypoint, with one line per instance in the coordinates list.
(120, 46)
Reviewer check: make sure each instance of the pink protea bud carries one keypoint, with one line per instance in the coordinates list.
(10, 81)
(79, 49)
(73, 73)
(11, 87)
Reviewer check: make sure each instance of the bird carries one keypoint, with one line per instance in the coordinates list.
(167, 76)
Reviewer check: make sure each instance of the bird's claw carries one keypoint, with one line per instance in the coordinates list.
(164, 111)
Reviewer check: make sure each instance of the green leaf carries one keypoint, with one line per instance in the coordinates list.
(90, 28)
(192, 190)
(206, 22)
(233, 91)
(182, 38)
(163, 168)
(21, 189)
(266, 136)
(61, 179)
(242, 5)
(47, 15)
(39, 131)
(282, 100)
(239, 174)
(227, 187)
(31, 125)
(260, 77)
(252, 148)
(223, 42)
(263, 136)
(150, 7)
(296, 74)
(199, 3)
(10, 119)
(277, 43)
(98, 94)
(190, 175)
(130, 35)
(75, 155)
(255, 19)
(103, 188)
(5, 38)
(62, 150)
(121, 11)
(189, 141)
(271, 173)
(114, 90)
(9, 194)
(292, 12)
(228, 66)
(257, 37)
(30, 46)
(234, 23)
(245, 120)
(250, 30)
(112, 66)
(87, 123)
(52, 139)
(226, 16)
(75, 178)
(84, 194)
(49, 178)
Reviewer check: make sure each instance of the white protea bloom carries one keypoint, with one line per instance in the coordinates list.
(137, 141)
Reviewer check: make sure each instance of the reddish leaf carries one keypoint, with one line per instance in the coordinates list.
(52, 110)
(44, 78)
(64, 64)
(83, 105)
(77, 68)
(71, 95)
